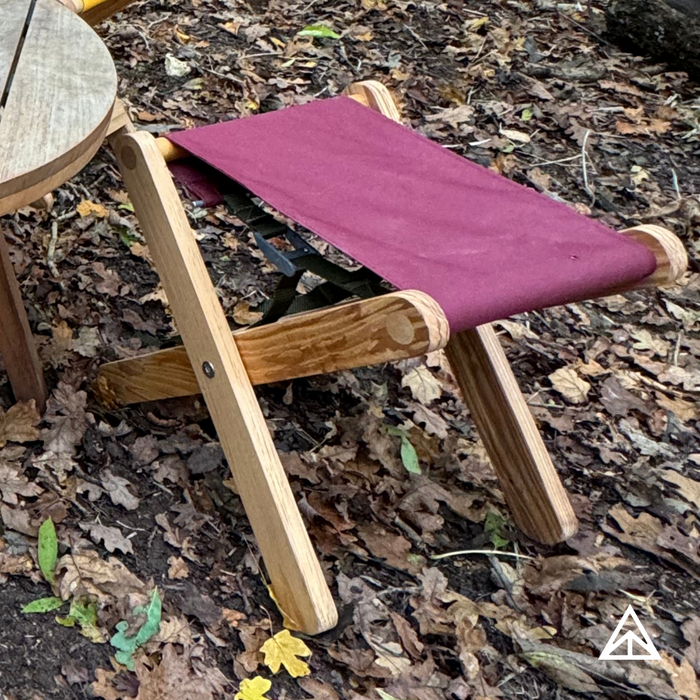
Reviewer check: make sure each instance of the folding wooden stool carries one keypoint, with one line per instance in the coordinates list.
(356, 178)
(464, 247)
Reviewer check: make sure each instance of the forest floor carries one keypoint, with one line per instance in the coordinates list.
(139, 495)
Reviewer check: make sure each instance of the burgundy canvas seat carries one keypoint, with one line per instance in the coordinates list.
(418, 215)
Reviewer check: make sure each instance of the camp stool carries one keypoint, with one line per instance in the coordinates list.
(462, 245)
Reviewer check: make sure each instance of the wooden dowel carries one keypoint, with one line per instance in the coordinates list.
(95, 11)
(169, 150)
(667, 248)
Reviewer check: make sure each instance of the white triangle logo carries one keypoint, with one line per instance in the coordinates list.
(631, 639)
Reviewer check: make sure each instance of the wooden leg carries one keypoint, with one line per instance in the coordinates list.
(531, 485)
(295, 573)
(16, 342)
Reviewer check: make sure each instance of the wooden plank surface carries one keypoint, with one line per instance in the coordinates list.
(58, 107)
(292, 566)
(13, 14)
(361, 333)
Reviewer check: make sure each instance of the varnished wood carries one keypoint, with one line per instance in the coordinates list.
(671, 256)
(361, 333)
(529, 481)
(295, 573)
(16, 342)
(58, 108)
(95, 12)
(169, 150)
(53, 121)
(376, 96)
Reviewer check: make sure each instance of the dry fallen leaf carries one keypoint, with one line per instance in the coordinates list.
(691, 633)
(253, 689)
(171, 679)
(244, 316)
(318, 689)
(87, 573)
(13, 483)
(570, 385)
(86, 207)
(423, 385)
(18, 423)
(111, 536)
(283, 650)
(102, 687)
(178, 568)
(514, 135)
(118, 489)
(688, 488)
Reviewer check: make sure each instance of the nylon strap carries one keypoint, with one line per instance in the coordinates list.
(340, 284)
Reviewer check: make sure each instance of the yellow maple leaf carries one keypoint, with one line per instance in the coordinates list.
(283, 649)
(86, 207)
(253, 689)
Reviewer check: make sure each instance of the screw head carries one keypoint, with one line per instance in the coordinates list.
(208, 369)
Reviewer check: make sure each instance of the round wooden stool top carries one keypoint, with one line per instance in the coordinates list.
(57, 91)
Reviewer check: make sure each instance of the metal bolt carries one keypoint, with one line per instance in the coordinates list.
(208, 369)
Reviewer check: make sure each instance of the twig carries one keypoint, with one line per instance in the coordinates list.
(309, 6)
(415, 36)
(52, 250)
(486, 552)
(258, 55)
(584, 166)
(677, 349)
(675, 183)
(557, 162)
(223, 76)
(584, 29)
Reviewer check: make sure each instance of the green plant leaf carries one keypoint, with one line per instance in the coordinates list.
(384, 695)
(409, 457)
(66, 621)
(494, 526)
(127, 646)
(84, 614)
(126, 236)
(48, 550)
(43, 605)
(319, 31)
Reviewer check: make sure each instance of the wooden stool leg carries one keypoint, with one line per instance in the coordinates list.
(531, 485)
(16, 342)
(295, 573)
